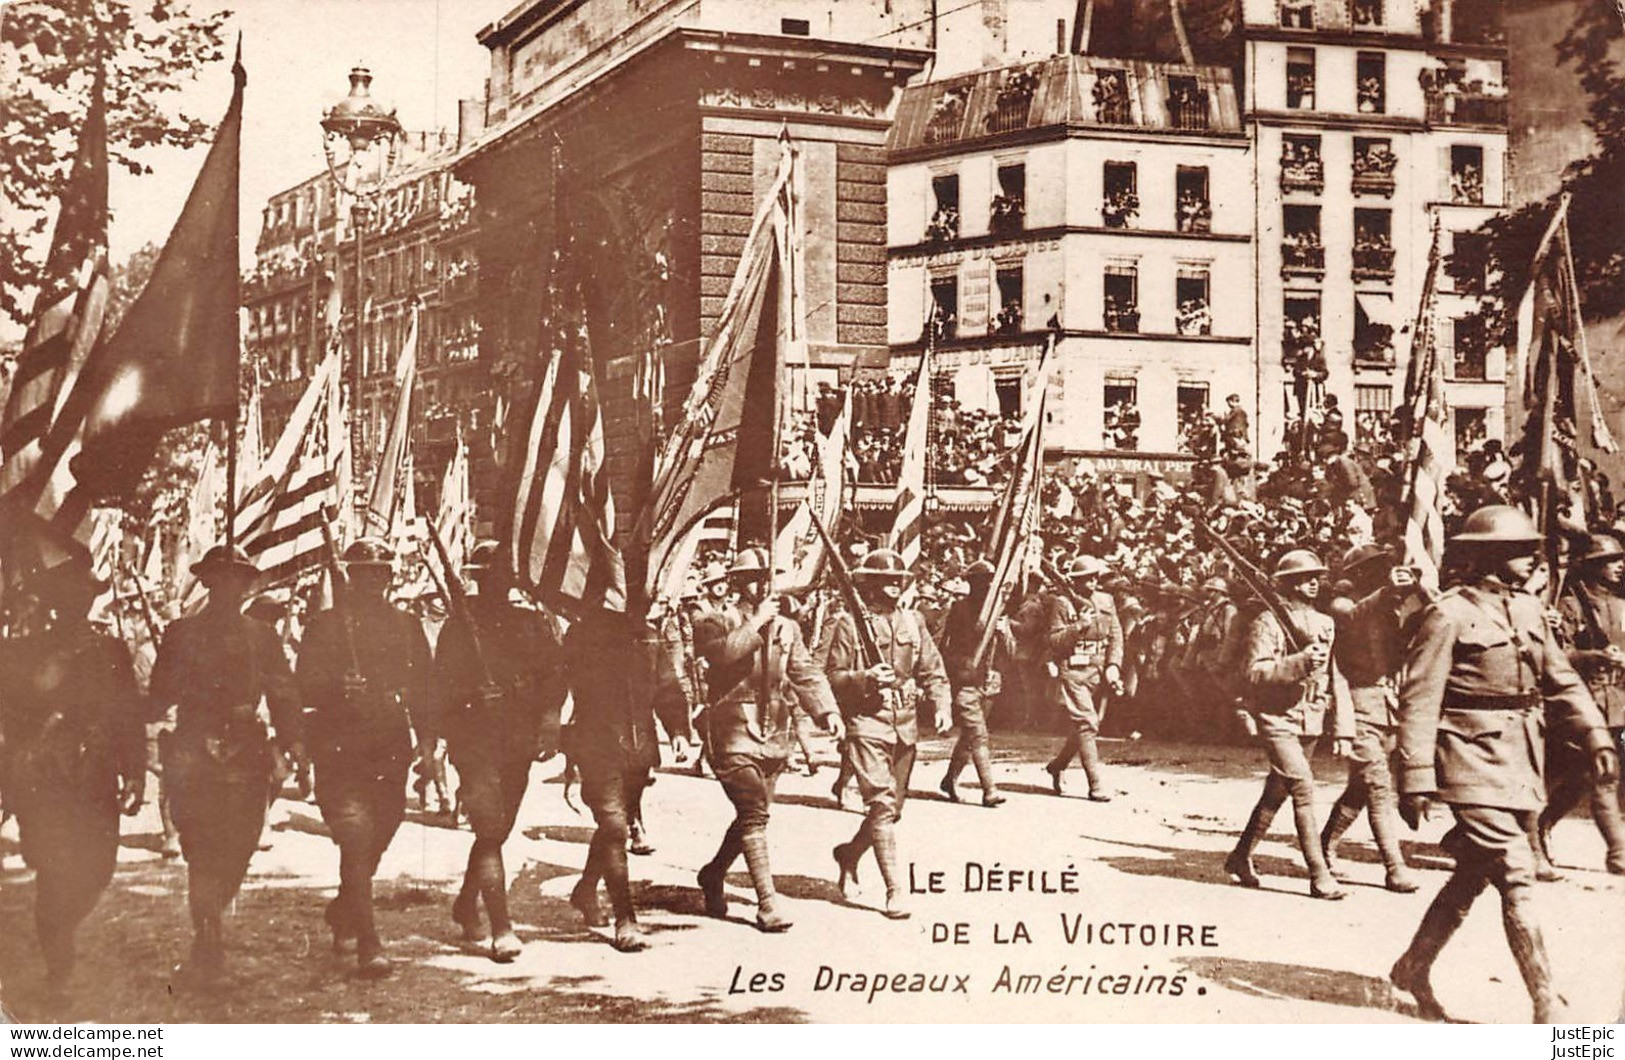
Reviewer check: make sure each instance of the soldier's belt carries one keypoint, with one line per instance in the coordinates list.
(1485, 701)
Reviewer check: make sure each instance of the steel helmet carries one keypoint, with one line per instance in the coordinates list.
(979, 573)
(482, 555)
(1298, 563)
(882, 563)
(1086, 567)
(1499, 523)
(368, 552)
(750, 562)
(1601, 548)
(1217, 584)
(221, 559)
(1360, 555)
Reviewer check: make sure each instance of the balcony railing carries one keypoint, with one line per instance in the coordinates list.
(1373, 263)
(1303, 259)
(1373, 182)
(1375, 353)
(1466, 108)
(1306, 175)
(1189, 112)
(1010, 113)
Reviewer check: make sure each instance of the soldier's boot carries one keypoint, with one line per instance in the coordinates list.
(638, 838)
(956, 765)
(1605, 810)
(344, 940)
(847, 857)
(1384, 815)
(1539, 830)
(171, 848)
(840, 789)
(1240, 862)
(584, 895)
(982, 757)
(465, 910)
(768, 916)
(370, 963)
(1338, 822)
(1529, 950)
(713, 873)
(1058, 764)
(629, 936)
(207, 963)
(1089, 755)
(1412, 972)
(1322, 884)
(56, 944)
(505, 945)
(885, 843)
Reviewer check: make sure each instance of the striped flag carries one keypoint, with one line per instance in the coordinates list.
(564, 516)
(717, 532)
(1428, 442)
(66, 324)
(455, 517)
(304, 480)
(384, 502)
(800, 550)
(908, 513)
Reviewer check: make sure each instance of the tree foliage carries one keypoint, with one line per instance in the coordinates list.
(49, 50)
(1497, 267)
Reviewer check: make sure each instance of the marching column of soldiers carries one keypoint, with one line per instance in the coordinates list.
(1479, 698)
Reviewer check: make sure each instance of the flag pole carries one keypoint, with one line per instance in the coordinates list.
(237, 359)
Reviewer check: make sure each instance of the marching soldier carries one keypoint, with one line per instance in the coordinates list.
(214, 668)
(365, 677)
(1594, 625)
(502, 672)
(620, 675)
(974, 684)
(1086, 641)
(72, 756)
(753, 654)
(1369, 649)
(1483, 678)
(1292, 694)
(880, 702)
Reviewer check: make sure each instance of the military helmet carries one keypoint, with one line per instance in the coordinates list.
(750, 562)
(221, 559)
(1498, 524)
(1360, 555)
(1217, 583)
(1298, 563)
(483, 554)
(882, 563)
(368, 552)
(1601, 548)
(1086, 567)
(979, 573)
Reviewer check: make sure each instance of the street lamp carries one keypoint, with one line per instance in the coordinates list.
(361, 141)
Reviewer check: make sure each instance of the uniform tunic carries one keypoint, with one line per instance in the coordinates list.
(1083, 643)
(750, 677)
(1291, 695)
(1593, 620)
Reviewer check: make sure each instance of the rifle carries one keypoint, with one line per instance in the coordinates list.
(868, 649)
(1258, 583)
(456, 598)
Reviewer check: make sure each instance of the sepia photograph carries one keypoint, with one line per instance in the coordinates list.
(835, 512)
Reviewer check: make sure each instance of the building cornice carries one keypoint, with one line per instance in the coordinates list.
(1067, 131)
(1327, 120)
(1038, 235)
(1375, 39)
(1030, 340)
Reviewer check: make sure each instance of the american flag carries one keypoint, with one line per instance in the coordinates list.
(564, 516)
(35, 438)
(1428, 444)
(908, 515)
(394, 463)
(455, 518)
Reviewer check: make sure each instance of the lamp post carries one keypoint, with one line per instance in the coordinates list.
(361, 141)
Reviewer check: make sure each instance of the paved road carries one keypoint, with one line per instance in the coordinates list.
(1151, 859)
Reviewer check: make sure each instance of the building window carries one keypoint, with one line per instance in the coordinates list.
(1300, 78)
(1111, 97)
(1472, 427)
(795, 27)
(1371, 82)
(1373, 166)
(1120, 400)
(1365, 13)
(1194, 211)
(947, 115)
(1300, 164)
(1008, 280)
(1471, 360)
(1373, 245)
(1467, 174)
(1193, 313)
(1120, 203)
(944, 223)
(1013, 102)
(1297, 14)
(1187, 103)
(1301, 251)
(1373, 417)
(944, 319)
(1374, 330)
(1121, 305)
(1469, 261)
(1195, 428)
(1302, 351)
(1009, 208)
(1007, 390)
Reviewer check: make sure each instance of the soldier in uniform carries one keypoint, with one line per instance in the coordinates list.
(620, 676)
(974, 685)
(881, 704)
(1369, 649)
(365, 674)
(1086, 642)
(72, 756)
(753, 653)
(1594, 630)
(214, 668)
(501, 670)
(1292, 694)
(1484, 677)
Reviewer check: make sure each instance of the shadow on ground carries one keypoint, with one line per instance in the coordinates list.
(1299, 982)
